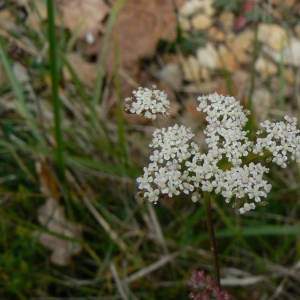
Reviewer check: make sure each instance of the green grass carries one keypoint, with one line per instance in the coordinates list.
(91, 167)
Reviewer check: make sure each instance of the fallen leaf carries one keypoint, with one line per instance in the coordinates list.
(86, 71)
(7, 20)
(86, 16)
(52, 215)
(139, 27)
(36, 15)
(49, 185)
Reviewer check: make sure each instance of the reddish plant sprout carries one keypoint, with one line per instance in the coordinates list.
(243, 20)
(248, 6)
(208, 285)
(240, 23)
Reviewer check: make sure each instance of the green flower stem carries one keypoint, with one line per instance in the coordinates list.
(212, 238)
(155, 124)
(55, 97)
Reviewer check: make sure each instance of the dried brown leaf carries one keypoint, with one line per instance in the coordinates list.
(36, 15)
(86, 71)
(139, 27)
(52, 215)
(49, 184)
(86, 15)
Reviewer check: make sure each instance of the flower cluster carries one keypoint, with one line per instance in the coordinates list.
(177, 165)
(208, 285)
(226, 119)
(282, 140)
(148, 103)
(164, 175)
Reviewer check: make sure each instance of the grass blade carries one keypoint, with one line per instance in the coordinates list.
(54, 87)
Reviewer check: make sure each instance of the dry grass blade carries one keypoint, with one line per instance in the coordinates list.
(157, 228)
(113, 235)
(29, 48)
(158, 264)
(250, 280)
(107, 228)
(119, 284)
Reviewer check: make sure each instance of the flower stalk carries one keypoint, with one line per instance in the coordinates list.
(212, 237)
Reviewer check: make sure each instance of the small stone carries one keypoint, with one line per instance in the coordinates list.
(282, 90)
(241, 79)
(242, 46)
(226, 21)
(171, 74)
(184, 23)
(262, 101)
(202, 88)
(275, 83)
(289, 75)
(208, 57)
(193, 7)
(297, 30)
(201, 22)
(227, 59)
(284, 4)
(290, 55)
(215, 34)
(190, 67)
(265, 67)
(7, 20)
(205, 74)
(272, 35)
(21, 73)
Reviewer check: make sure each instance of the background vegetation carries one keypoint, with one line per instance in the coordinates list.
(60, 146)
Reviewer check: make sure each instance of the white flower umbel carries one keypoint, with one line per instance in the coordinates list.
(148, 103)
(282, 141)
(177, 165)
(165, 174)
